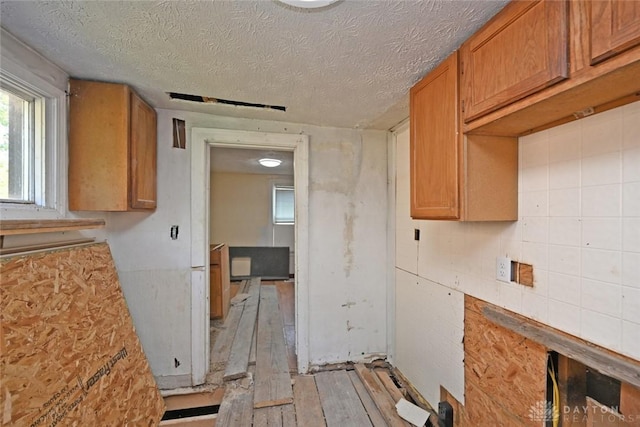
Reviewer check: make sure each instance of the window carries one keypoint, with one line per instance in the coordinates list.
(283, 204)
(17, 145)
(32, 133)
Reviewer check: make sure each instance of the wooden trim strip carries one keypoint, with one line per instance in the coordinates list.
(20, 226)
(38, 247)
(603, 360)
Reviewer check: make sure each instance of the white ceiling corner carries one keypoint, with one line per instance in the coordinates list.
(349, 64)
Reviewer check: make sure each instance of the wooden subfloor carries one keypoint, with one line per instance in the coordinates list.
(262, 387)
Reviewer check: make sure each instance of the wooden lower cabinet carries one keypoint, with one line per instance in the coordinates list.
(220, 282)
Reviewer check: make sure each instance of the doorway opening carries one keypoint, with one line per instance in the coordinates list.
(203, 141)
(252, 224)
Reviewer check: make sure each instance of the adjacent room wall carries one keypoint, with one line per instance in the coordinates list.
(579, 225)
(241, 208)
(241, 211)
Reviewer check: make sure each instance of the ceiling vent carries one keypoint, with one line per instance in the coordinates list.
(207, 100)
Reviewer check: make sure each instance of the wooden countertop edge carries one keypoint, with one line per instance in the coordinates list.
(30, 226)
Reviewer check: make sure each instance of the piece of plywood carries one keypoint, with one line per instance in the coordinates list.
(509, 369)
(599, 415)
(238, 363)
(194, 400)
(69, 352)
(630, 401)
(605, 361)
(307, 402)
(273, 381)
(340, 401)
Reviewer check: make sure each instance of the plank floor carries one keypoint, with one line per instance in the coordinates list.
(270, 392)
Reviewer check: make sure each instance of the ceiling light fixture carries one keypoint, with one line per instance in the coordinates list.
(269, 163)
(308, 4)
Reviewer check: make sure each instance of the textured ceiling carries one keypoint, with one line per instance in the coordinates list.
(239, 160)
(349, 64)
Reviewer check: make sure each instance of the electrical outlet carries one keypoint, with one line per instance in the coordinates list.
(503, 269)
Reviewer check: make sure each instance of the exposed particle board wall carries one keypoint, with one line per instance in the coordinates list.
(69, 352)
(505, 373)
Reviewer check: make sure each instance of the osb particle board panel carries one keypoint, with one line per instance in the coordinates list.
(501, 366)
(69, 354)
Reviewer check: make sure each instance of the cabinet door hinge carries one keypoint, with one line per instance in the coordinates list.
(461, 67)
(462, 105)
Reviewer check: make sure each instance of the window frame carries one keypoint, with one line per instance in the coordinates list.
(27, 72)
(282, 187)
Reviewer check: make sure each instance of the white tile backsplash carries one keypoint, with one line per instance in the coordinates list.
(564, 202)
(631, 125)
(603, 169)
(602, 297)
(602, 133)
(631, 234)
(630, 338)
(564, 143)
(534, 178)
(565, 316)
(564, 174)
(631, 164)
(564, 259)
(535, 203)
(631, 269)
(605, 266)
(631, 199)
(631, 304)
(602, 329)
(579, 226)
(564, 288)
(602, 233)
(565, 231)
(601, 200)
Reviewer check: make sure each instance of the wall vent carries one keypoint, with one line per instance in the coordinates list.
(208, 100)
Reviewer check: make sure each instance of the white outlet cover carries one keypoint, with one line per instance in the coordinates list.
(503, 269)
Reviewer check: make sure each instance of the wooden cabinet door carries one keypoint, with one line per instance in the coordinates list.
(215, 292)
(615, 26)
(143, 155)
(98, 146)
(519, 52)
(434, 145)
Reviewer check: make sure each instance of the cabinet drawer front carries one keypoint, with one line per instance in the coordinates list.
(521, 51)
(615, 27)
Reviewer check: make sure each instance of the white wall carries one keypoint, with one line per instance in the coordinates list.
(579, 225)
(347, 271)
(241, 213)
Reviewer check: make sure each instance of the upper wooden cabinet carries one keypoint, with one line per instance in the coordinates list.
(454, 177)
(615, 27)
(112, 148)
(521, 51)
(434, 143)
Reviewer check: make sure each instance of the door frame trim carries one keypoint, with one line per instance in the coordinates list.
(201, 141)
